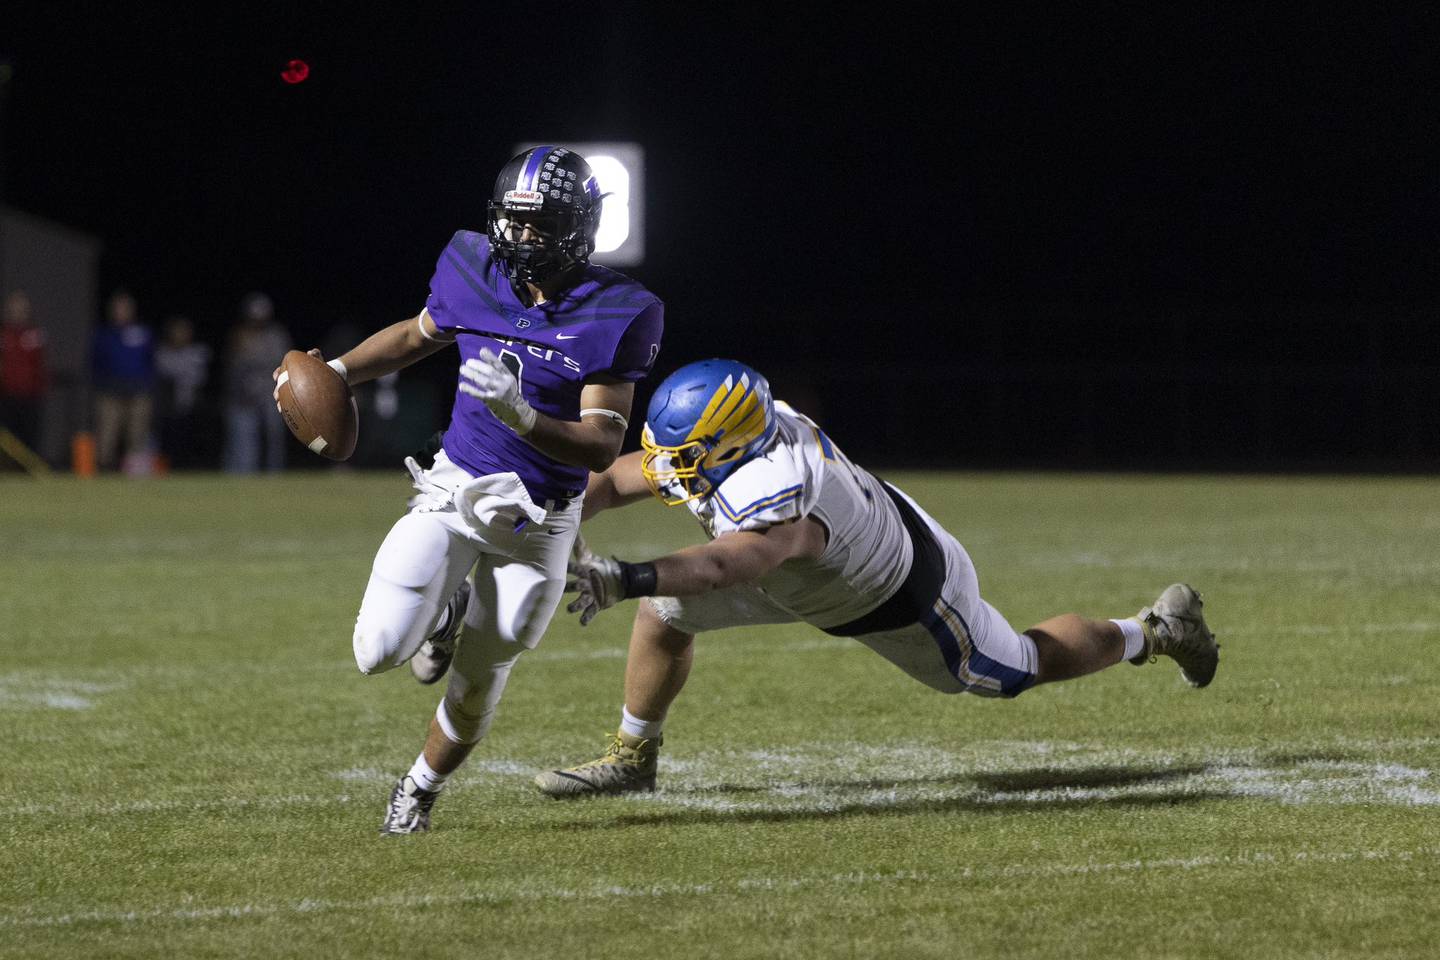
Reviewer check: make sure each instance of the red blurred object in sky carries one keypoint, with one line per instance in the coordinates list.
(295, 71)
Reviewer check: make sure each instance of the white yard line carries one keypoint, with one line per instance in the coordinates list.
(43, 701)
(22, 691)
(767, 884)
(835, 776)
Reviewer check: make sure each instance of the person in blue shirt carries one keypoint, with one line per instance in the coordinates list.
(122, 368)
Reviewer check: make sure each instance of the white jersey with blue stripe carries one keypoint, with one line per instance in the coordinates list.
(803, 474)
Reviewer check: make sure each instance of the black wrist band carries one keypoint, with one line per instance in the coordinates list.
(636, 580)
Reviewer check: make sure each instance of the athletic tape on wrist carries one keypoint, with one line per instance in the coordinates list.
(339, 367)
(526, 415)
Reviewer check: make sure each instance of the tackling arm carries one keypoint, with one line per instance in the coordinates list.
(738, 557)
(732, 558)
(619, 486)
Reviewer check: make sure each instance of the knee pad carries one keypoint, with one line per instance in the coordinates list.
(372, 645)
(461, 727)
(389, 626)
(393, 621)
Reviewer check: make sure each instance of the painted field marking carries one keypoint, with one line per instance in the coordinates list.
(601, 892)
(20, 691)
(846, 776)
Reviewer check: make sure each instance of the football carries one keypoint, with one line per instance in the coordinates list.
(317, 405)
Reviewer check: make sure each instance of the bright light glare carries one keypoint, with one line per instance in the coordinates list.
(614, 181)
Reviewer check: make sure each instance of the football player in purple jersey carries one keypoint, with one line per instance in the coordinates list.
(550, 348)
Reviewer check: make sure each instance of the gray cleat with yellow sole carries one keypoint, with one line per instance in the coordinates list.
(628, 766)
(1175, 627)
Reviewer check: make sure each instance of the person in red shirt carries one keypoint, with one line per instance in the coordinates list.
(23, 376)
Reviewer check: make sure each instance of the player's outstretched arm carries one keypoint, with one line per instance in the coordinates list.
(385, 351)
(738, 557)
(394, 348)
(732, 558)
(622, 484)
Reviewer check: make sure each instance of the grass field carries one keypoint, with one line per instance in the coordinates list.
(192, 766)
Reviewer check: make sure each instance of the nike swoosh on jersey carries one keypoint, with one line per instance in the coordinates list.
(567, 336)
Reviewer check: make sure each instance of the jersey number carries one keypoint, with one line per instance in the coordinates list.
(511, 361)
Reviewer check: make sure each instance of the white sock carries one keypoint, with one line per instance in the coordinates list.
(424, 777)
(635, 727)
(1134, 637)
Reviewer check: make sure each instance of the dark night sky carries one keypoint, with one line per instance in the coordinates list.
(1010, 185)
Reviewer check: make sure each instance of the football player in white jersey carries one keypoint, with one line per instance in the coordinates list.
(799, 533)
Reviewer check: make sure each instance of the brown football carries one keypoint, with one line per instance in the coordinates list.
(318, 406)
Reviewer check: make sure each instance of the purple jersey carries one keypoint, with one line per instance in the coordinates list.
(605, 327)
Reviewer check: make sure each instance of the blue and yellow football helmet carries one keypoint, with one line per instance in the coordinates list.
(705, 420)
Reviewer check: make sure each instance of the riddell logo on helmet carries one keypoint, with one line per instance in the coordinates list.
(524, 198)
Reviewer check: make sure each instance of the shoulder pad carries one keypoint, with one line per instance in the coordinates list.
(775, 488)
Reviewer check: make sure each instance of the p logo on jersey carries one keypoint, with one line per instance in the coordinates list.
(705, 420)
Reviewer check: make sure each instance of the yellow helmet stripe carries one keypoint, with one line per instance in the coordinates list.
(728, 420)
(751, 426)
(730, 405)
(723, 417)
(703, 421)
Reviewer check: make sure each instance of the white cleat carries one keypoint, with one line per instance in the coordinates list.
(409, 808)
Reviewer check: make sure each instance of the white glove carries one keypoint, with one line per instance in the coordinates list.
(488, 379)
(597, 580)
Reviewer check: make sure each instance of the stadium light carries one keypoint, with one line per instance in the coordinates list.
(620, 170)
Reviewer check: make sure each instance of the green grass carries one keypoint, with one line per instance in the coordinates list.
(193, 767)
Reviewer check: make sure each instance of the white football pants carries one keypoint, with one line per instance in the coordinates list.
(517, 581)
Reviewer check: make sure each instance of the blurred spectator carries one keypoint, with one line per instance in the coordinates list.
(256, 347)
(23, 377)
(122, 363)
(182, 367)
